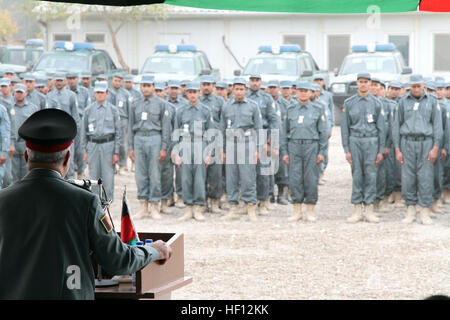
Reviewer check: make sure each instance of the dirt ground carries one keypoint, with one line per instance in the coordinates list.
(329, 259)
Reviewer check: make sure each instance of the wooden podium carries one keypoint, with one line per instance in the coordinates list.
(154, 281)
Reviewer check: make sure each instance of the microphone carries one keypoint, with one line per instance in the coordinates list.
(85, 183)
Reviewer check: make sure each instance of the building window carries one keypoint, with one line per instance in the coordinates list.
(62, 37)
(95, 37)
(441, 49)
(338, 49)
(402, 44)
(295, 39)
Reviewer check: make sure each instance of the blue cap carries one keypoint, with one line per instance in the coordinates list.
(101, 76)
(85, 75)
(20, 87)
(5, 82)
(316, 87)
(118, 75)
(16, 80)
(29, 77)
(184, 82)
(376, 80)
(440, 83)
(304, 85)
(147, 79)
(383, 83)
(71, 75)
(59, 76)
(364, 75)
(439, 79)
(430, 85)
(273, 83)
(160, 85)
(193, 85)
(264, 85)
(221, 84)
(239, 81)
(318, 77)
(416, 79)
(9, 70)
(395, 84)
(285, 84)
(207, 79)
(128, 78)
(173, 83)
(41, 82)
(255, 75)
(101, 86)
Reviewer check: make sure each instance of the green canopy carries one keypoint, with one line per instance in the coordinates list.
(306, 6)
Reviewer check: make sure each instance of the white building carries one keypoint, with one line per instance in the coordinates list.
(423, 38)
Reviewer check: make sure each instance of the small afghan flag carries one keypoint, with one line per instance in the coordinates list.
(128, 232)
(343, 109)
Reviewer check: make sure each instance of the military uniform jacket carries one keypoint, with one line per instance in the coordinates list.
(66, 100)
(215, 104)
(417, 117)
(5, 132)
(121, 99)
(18, 115)
(388, 107)
(304, 122)
(243, 115)
(134, 94)
(37, 98)
(83, 99)
(327, 98)
(267, 107)
(99, 122)
(444, 104)
(150, 114)
(8, 103)
(363, 117)
(45, 249)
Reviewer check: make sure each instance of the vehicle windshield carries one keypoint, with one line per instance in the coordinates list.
(68, 62)
(172, 64)
(371, 64)
(272, 65)
(18, 57)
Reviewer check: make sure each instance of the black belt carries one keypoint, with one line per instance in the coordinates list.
(102, 140)
(362, 135)
(416, 138)
(147, 133)
(303, 141)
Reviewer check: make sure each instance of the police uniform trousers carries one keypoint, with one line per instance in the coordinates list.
(19, 166)
(262, 181)
(193, 177)
(147, 165)
(381, 179)
(123, 149)
(100, 165)
(78, 156)
(281, 177)
(178, 184)
(303, 170)
(393, 173)
(167, 172)
(446, 173)
(214, 180)
(438, 176)
(417, 173)
(364, 152)
(240, 172)
(7, 177)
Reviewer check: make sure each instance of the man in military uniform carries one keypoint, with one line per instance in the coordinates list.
(59, 269)
(66, 100)
(363, 139)
(304, 140)
(34, 96)
(191, 122)
(100, 137)
(240, 122)
(271, 121)
(175, 99)
(149, 139)
(444, 105)
(394, 174)
(128, 84)
(5, 141)
(214, 171)
(83, 100)
(221, 89)
(7, 100)
(42, 86)
(9, 73)
(417, 135)
(281, 177)
(19, 112)
(86, 82)
(160, 89)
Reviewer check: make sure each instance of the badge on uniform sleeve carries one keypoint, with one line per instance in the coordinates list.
(144, 116)
(300, 119)
(106, 223)
(13, 112)
(370, 118)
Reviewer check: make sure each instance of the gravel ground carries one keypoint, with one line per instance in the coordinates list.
(329, 259)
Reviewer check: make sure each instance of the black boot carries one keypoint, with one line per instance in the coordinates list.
(272, 198)
(281, 199)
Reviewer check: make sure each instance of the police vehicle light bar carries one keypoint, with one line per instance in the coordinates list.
(280, 49)
(34, 42)
(378, 47)
(66, 45)
(175, 48)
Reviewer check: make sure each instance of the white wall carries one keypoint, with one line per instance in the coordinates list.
(245, 33)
